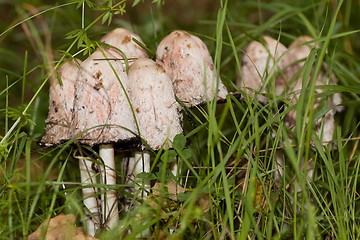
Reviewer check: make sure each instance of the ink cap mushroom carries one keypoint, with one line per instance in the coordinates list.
(188, 62)
(261, 60)
(59, 129)
(300, 49)
(153, 99)
(103, 117)
(157, 112)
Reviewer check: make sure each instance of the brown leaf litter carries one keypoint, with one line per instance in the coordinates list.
(61, 227)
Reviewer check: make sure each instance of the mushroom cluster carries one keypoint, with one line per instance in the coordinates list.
(116, 96)
(272, 60)
(263, 61)
(119, 96)
(300, 50)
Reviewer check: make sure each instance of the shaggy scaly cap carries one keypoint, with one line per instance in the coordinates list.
(100, 99)
(152, 97)
(187, 61)
(61, 101)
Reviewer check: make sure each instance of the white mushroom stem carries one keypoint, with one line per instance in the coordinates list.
(174, 168)
(139, 162)
(108, 176)
(88, 177)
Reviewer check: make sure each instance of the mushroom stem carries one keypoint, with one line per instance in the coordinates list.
(108, 176)
(174, 168)
(88, 177)
(139, 162)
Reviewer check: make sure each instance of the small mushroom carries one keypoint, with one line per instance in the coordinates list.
(153, 100)
(300, 50)
(156, 109)
(58, 130)
(122, 39)
(259, 61)
(187, 61)
(103, 116)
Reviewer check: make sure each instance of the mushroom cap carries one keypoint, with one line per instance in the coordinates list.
(300, 48)
(100, 99)
(61, 103)
(156, 109)
(259, 61)
(187, 61)
(122, 39)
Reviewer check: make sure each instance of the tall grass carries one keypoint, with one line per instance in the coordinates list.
(228, 150)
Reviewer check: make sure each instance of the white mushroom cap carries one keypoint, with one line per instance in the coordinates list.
(100, 99)
(300, 50)
(152, 97)
(123, 39)
(61, 98)
(187, 61)
(259, 61)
